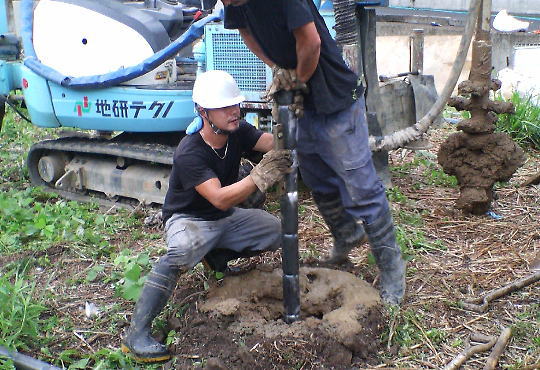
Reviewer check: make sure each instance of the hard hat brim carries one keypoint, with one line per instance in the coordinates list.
(225, 103)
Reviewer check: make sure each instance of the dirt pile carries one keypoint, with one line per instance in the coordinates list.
(341, 321)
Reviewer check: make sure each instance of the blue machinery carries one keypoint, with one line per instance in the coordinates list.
(99, 103)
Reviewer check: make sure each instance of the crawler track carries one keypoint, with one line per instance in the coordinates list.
(142, 149)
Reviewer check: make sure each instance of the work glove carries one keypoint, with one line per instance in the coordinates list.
(297, 107)
(285, 79)
(273, 167)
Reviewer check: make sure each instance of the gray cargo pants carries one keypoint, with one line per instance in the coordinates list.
(189, 239)
(334, 157)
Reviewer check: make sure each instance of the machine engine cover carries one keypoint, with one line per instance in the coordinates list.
(78, 41)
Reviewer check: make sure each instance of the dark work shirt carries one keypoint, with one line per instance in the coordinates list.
(195, 162)
(271, 22)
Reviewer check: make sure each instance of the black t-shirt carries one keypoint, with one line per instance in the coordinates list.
(271, 22)
(195, 162)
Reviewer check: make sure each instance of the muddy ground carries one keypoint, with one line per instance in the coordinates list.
(234, 323)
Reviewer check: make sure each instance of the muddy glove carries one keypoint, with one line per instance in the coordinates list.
(273, 167)
(285, 79)
(282, 79)
(297, 107)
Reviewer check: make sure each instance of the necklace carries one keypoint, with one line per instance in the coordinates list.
(215, 151)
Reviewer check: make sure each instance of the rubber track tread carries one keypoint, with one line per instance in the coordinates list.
(151, 153)
(155, 153)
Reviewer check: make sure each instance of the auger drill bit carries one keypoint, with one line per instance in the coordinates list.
(285, 138)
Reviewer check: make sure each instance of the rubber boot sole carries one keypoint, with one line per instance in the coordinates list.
(145, 360)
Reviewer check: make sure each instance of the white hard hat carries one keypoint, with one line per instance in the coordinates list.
(216, 89)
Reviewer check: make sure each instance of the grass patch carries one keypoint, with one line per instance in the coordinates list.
(430, 171)
(20, 314)
(32, 219)
(524, 125)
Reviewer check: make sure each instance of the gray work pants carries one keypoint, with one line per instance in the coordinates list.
(189, 239)
(334, 157)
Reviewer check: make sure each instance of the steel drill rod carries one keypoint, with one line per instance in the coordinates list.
(287, 125)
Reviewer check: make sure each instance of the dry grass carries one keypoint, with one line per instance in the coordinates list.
(468, 256)
(479, 254)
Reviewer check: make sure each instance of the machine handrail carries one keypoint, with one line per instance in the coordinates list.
(31, 60)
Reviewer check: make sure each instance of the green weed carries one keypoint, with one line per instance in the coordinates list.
(17, 137)
(36, 220)
(395, 195)
(414, 240)
(524, 125)
(105, 359)
(425, 164)
(403, 328)
(20, 314)
(435, 335)
(6, 363)
(132, 280)
(311, 251)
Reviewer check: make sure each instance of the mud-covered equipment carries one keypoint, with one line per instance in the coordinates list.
(216, 89)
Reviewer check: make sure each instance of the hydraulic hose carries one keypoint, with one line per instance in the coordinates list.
(194, 32)
(402, 137)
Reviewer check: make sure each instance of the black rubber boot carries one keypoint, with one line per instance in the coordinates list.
(218, 260)
(156, 291)
(347, 233)
(387, 254)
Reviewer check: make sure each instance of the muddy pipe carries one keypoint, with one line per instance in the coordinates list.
(285, 138)
(23, 362)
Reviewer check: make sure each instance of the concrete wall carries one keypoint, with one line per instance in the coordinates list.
(440, 49)
(513, 6)
(439, 55)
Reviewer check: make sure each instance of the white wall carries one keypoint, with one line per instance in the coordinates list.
(439, 55)
(513, 6)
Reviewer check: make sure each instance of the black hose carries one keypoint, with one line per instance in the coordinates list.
(5, 100)
(23, 362)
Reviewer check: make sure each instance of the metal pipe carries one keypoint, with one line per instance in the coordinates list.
(23, 362)
(285, 138)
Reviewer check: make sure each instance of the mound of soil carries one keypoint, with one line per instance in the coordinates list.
(239, 323)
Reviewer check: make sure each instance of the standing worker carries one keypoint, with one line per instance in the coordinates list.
(335, 161)
(199, 213)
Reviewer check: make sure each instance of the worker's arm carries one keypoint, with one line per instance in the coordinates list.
(273, 167)
(308, 50)
(265, 143)
(254, 46)
(226, 197)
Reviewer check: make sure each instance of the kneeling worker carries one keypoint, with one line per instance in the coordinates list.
(199, 211)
